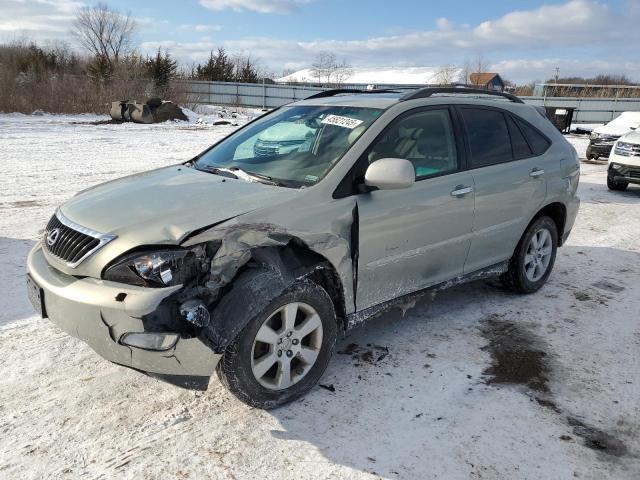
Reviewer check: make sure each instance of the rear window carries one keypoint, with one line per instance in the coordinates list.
(520, 146)
(488, 136)
(539, 144)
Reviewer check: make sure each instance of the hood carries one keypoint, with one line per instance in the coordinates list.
(166, 204)
(620, 125)
(631, 137)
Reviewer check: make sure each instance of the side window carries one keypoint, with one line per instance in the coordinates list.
(488, 136)
(538, 143)
(425, 138)
(520, 146)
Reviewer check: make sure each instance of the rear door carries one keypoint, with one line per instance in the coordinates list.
(419, 236)
(507, 162)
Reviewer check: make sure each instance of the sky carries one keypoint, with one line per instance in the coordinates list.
(522, 40)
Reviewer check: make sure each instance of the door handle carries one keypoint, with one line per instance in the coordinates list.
(461, 190)
(536, 172)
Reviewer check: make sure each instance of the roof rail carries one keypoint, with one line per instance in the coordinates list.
(429, 91)
(338, 91)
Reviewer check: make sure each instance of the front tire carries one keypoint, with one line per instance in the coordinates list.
(534, 257)
(284, 349)
(616, 186)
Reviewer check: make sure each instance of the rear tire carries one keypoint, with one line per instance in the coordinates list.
(616, 186)
(273, 361)
(534, 257)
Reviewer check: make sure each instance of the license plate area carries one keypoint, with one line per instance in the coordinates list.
(36, 296)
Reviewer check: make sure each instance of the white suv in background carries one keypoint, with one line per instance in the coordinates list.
(624, 162)
(603, 137)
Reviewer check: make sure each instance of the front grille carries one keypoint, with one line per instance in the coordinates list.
(628, 171)
(263, 148)
(70, 242)
(604, 140)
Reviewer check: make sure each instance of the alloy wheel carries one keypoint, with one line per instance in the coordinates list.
(538, 255)
(286, 346)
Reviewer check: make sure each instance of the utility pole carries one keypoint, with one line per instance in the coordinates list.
(557, 76)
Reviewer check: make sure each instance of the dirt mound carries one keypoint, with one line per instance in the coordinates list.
(167, 111)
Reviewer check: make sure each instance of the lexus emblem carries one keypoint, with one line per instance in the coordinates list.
(52, 236)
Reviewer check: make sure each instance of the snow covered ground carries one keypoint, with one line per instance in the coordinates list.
(414, 397)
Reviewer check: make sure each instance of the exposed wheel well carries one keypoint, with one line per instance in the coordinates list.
(300, 260)
(558, 213)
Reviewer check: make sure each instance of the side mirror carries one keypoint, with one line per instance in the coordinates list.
(390, 174)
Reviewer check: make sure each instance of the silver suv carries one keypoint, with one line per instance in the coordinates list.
(251, 262)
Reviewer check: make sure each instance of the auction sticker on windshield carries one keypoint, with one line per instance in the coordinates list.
(340, 121)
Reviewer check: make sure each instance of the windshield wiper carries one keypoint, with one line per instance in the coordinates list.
(238, 174)
(250, 176)
(224, 172)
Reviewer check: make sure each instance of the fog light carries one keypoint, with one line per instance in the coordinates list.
(195, 312)
(150, 341)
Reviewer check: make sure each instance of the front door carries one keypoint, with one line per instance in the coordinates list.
(420, 236)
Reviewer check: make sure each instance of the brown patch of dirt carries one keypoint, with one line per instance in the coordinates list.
(369, 354)
(597, 439)
(609, 286)
(517, 357)
(98, 122)
(582, 296)
(20, 204)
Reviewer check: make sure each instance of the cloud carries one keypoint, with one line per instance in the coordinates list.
(186, 51)
(37, 19)
(260, 6)
(581, 30)
(543, 68)
(200, 28)
(576, 20)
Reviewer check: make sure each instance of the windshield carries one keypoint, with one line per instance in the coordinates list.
(293, 146)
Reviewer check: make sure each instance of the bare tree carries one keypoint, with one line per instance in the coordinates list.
(327, 69)
(476, 65)
(445, 75)
(104, 32)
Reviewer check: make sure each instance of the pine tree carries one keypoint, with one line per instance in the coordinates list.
(161, 68)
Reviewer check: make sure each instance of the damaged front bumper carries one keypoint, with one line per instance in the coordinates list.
(101, 313)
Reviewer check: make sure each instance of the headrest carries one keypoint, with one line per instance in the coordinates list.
(355, 134)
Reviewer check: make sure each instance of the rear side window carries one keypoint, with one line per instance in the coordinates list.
(488, 136)
(538, 143)
(520, 146)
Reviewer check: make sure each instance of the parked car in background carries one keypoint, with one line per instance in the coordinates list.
(283, 138)
(602, 138)
(624, 162)
(250, 261)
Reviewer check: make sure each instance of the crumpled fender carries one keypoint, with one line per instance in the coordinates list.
(251, 292)
(238, 240)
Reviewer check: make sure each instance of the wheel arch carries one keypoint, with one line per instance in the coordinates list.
(301, 261)
(269, 272)
(557, 211)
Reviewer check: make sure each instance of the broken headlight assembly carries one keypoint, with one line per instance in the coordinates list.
(158, 268)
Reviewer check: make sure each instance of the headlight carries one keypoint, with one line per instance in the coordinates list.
(594, 136)
(157, 268)
(624, 149)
